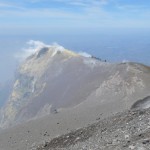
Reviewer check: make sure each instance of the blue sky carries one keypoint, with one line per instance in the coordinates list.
(64, 15)
(115, 30)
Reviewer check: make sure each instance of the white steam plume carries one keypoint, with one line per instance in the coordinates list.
(84, 54)
(33, 47)
(36, 46)
(125, 61)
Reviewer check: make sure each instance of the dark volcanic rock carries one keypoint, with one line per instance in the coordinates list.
(42, 51)
(142, 104)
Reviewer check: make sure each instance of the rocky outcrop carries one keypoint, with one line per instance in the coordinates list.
(142, 103)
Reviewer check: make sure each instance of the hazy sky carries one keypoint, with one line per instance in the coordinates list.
(31, 16)
(115, 30)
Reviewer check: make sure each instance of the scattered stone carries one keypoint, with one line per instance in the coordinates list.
(123, 131)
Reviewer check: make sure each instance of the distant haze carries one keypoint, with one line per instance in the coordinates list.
(113, 45)
(114, 30)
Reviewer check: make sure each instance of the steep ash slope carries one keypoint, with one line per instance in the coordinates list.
(125, 131)
(55, 80)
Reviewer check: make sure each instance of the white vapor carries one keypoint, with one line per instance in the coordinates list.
(84, 54)
(33, 47)
(125, 61)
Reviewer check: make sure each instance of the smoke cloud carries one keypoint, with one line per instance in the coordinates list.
(84, 54)
(33, 47)
(125, 61)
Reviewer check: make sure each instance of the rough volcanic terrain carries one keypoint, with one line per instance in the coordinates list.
(123, 131)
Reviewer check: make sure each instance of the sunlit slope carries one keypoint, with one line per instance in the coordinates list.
(55, 80)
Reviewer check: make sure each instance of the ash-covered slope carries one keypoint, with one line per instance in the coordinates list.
(55, 80)
(129, 130)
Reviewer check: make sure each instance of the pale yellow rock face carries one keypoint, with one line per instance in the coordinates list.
(32, 67)
(10, 112)
(71, 54)
(36, 66)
